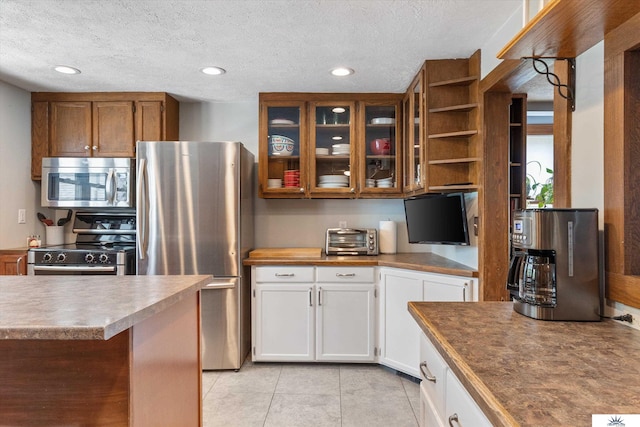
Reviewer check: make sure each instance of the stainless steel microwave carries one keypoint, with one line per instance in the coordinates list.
(88, 182)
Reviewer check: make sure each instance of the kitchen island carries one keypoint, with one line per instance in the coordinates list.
(100, 350)
(533, 372)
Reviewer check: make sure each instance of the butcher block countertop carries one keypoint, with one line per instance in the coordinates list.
(427, 262)
(85, 307)
(534, 372)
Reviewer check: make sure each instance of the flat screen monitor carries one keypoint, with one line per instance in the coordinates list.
(437, 219)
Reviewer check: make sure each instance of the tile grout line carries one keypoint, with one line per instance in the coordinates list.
(272, 397)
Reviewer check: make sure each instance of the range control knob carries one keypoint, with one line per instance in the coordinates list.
(61, 257)
(47, 257)
(90, 258)
(104, 258)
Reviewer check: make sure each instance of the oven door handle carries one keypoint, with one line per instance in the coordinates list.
(73, 268)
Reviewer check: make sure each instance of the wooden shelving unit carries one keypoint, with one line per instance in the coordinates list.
(518, 151)
(453, 147)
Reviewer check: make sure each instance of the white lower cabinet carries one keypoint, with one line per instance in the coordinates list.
(443, 399)
(321, 313)
(398, 333)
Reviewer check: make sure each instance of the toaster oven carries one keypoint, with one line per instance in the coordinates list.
(351, 241)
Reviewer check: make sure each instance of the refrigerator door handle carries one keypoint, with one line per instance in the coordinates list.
(141, 196)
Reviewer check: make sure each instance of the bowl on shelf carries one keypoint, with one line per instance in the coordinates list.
(281, 145)
(381, 146)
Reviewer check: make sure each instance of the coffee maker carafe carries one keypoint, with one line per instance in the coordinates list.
(554, 272)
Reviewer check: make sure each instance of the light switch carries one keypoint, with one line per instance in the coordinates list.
(22, 216)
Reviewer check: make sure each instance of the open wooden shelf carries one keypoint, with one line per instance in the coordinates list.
(458, 134)
(445, 188)
(455, 108)
(567, 28)
(462, 81)
(460, 160)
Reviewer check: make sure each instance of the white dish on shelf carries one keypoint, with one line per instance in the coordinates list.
(383, 121)
(322, 151)
(333, 178)
(333, 185)
(282, 122)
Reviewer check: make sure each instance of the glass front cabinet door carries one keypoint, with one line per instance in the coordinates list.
(413, 138)
(380, 172)
(333, 146)
(283, 144)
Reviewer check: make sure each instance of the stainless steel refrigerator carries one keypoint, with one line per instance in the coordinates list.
(195, 216)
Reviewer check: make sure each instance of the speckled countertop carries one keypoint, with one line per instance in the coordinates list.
(417, 261)
(533, 372)
(85, 307)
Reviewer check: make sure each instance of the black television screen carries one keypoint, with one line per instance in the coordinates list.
(440, 218)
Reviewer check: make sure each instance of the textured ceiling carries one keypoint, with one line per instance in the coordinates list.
(265, 45)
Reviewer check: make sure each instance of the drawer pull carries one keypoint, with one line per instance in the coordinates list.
(426, 373)
(453, 418)
(310, 297)
(345, 274)
(285, 274)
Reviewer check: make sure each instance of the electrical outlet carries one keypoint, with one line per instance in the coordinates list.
(22, 216)
(342, 224)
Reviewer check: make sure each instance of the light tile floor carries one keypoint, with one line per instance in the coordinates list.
(307, 394)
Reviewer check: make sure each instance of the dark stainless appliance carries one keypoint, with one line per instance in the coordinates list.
(351, 241)
(195, 216)
(105, 245)
(554, 272)
(88, 182)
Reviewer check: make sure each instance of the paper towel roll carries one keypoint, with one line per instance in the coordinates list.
(387, 237)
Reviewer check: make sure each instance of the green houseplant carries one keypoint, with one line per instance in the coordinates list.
(541, 192)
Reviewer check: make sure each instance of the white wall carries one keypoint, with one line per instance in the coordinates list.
(17, 191)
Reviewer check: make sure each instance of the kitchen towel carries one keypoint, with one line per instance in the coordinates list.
(387, 237)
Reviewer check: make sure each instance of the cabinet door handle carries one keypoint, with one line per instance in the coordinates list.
(454, 418)
(285, 274)
(95, 147)
(345, 274)
(18, 264)
(426, 373)
(319, 296)
(310, 297)
(86, 147)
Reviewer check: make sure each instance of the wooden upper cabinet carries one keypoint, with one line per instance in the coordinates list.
(149, 123)
(329, 136)
(70, 129)
(100, 124)
(113, 129)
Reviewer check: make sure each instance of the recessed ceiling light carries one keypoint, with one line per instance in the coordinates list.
(342, 71)
(66, 70)
(213, 71)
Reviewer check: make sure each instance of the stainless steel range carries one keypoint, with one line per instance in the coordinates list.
(105, 245)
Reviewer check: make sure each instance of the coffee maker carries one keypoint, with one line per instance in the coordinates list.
(555, 272)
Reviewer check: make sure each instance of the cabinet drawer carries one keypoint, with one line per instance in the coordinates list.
(459, 404)
(345, 274)
(433, 371)
(283, 273)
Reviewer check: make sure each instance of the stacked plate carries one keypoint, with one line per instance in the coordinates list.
(333, 181)
(341, 149)
(291, 178)
(383, 121)
(384, 183)
(370, 183)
